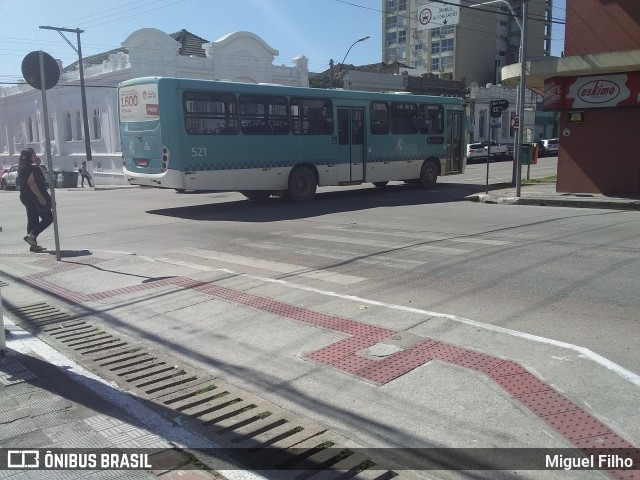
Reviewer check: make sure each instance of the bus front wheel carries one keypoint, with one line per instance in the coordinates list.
(302, 184)
(428, 174)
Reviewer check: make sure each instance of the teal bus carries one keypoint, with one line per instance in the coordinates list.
(263, 140)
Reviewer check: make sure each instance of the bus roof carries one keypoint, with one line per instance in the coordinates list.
(190, 83)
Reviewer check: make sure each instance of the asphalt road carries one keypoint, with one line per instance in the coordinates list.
(565, 274)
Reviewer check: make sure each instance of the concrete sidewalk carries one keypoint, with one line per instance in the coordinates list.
(94, 361)
(47, 401)
(544, 194)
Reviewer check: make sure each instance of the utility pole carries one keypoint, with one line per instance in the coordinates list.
(517, 167)
(331, 73)
(83, 94)
(522, 92)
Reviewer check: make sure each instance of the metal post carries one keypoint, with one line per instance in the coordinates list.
(3, 341)
(83, 95)
(522, 90)
(517, 150)
(486, 190)
(47, 144)
(331, 73)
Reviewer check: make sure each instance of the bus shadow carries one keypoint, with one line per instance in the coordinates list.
(327, 202)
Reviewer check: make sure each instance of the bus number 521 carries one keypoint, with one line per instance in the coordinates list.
(198, 152)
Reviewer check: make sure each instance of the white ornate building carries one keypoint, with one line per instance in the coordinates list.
(240, 57)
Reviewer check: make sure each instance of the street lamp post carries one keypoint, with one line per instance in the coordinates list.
(522, 87)
(83, 95)
(361, 39)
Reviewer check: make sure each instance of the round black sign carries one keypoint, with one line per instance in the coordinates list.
(31, 70)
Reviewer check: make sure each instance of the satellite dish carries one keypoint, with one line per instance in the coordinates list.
(31, 70)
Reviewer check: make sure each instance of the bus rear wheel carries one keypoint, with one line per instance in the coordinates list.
(428, 174)
(380, 184)
(302, 184)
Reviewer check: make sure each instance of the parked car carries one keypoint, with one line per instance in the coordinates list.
(548, 147)
(477, 152)
(9, 177)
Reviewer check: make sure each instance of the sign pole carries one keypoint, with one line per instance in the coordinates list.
(496, 107)
(3, 340)
(47, 144)
(486, 188)
(522, 92)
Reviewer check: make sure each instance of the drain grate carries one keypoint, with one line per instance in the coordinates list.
(38, 314)
(232, 418)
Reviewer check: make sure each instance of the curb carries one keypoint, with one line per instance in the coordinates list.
(555, 202)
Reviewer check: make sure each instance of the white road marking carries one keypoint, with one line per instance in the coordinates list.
(278, 267)
(421, 236)
(342, 255)
(381, 243)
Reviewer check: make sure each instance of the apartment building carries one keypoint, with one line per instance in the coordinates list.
(457, 41)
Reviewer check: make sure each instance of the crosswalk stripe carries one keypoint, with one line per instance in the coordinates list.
(182, 263)
(341, 255)
(382, 243)
(278, 267)
(422, 236)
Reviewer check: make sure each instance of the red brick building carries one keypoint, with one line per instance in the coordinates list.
(596, 88)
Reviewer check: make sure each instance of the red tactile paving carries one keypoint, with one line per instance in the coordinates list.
(548, 402)
(342, 348)
(506, 368)
(521, 383)
(625, 475)
(353, 364)
(581, 429)
(606, 441)
(53, 289)
(445, 352)
(576, 424)
(477, 361)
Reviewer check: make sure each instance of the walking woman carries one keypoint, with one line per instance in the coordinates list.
(34, 196)
(85, 174)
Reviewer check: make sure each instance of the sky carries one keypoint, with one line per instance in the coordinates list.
(319, 29)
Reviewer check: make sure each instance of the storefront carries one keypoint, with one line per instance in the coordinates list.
(599, 132)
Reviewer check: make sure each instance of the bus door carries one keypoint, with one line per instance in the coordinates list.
(351, 129)
(455, 141)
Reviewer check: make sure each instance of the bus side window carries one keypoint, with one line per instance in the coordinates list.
(379, 118)
(431, 119)
(404, 118)
(311, 116)
(210, 113)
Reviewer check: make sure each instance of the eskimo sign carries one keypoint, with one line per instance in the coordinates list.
(436, 14)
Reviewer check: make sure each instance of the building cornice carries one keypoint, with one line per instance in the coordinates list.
(540, 69)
